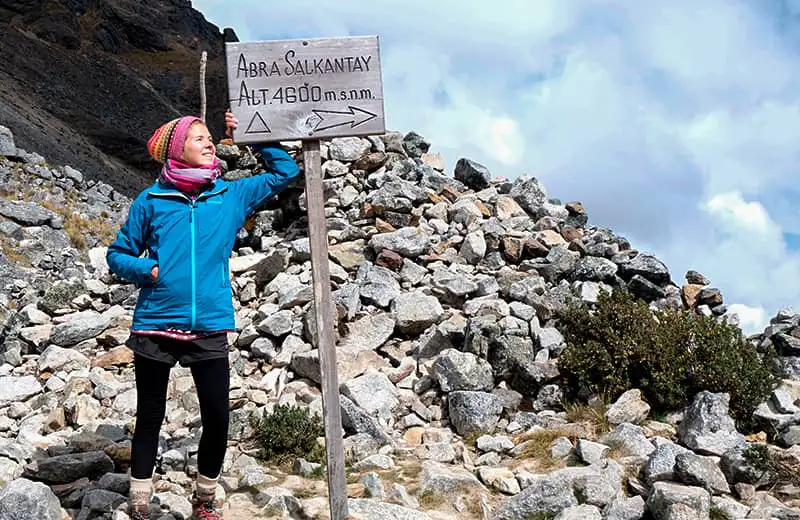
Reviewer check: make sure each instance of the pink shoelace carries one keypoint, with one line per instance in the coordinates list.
(205, 510)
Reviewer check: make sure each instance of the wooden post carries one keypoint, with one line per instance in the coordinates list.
(331, 407)
(203, 60)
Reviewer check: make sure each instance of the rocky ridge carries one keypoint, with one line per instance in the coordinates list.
(445, 289)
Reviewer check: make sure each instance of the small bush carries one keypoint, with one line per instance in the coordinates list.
(669, 355)
(289, 432)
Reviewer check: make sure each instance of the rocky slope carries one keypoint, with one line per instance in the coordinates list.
(445, 290)
(87, 81)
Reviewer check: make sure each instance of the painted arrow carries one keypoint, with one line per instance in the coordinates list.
(354, 117)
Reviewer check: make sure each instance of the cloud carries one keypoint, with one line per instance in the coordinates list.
(675, 123)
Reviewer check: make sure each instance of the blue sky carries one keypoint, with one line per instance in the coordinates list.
(677, 123)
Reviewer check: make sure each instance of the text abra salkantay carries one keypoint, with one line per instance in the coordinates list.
(292, 66)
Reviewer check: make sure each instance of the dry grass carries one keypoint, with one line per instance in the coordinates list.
(78, 227)
(537, 448)
(13, 255)
(593, 413)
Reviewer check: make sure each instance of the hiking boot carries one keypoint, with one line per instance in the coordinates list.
(203, 508)
(140, 514)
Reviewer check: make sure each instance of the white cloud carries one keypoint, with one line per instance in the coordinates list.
(675, 123)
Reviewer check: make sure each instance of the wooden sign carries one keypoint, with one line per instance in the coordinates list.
(283, 90)
(310, 90)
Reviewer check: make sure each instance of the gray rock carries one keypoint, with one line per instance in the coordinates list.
(629, 408)
(440, 479)
(530, 194)
(414, 312)
(630, 439)
(594, 269)
(278, 324)
(474, 175)
(26, 213)
(355, 420)
(648, 266)
(457, 370)
(474, 248)
(706, 427)
(790, 437)
(373, 392)
(582, 512)
(408, 241)
(55, 358)
(80, 328)
(697, 470)
(63, 469)
(26, 500)
(14, 389)
(369, 332)
(626, 509)
(348, 149)
(474, 412)
(415, 145)
(661, 464)
(597, 485)
(668, 501)
(7, 146)
(99, 501)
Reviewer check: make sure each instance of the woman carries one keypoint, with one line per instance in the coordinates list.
(187, 223)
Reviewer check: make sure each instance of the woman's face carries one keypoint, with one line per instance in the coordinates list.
(198, 150)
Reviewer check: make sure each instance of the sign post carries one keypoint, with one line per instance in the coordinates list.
(311, 89)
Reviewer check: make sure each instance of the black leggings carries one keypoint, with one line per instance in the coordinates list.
(212, 380)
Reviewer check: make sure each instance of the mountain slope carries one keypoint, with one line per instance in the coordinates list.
(85, 82)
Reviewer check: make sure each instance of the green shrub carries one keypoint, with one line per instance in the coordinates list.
(669, 355)
(289, 432)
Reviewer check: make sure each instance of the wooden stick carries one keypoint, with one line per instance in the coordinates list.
(331, 407)
(203, 60)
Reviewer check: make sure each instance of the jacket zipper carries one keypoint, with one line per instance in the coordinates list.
(194, 283)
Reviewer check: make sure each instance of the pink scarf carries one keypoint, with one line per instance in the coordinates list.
(189, 179)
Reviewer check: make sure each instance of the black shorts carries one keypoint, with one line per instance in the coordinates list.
(171, 351)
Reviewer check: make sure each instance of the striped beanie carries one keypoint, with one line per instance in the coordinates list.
(167, 142)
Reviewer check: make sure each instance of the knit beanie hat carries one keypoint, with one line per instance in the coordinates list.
(167, 142)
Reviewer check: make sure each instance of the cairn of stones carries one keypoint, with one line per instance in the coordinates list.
(446, 290)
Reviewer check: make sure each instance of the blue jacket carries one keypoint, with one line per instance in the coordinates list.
(191, 243)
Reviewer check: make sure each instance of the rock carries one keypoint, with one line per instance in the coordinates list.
(474, 412)
(696, 470)
(474, 175)
(69, 468)
(582, 512)
(629, 408)
(7, 146)
(457, 370)
(373, 392)
(79, 329)
(415, 312)
(408, 241)
(647, 266)
(348, 149)
(14, 389)
(668, 500)
(706, 427)
(530, 194)
(55, 359)
(415, 145)
(597, 485)
(26, 213)
(26, 500)
(661, 464)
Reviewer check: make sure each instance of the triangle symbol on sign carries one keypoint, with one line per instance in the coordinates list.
(257, 125)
